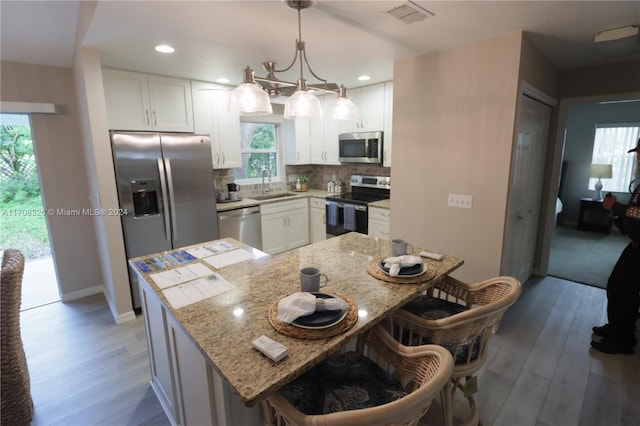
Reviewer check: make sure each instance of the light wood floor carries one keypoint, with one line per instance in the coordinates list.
(540, 371)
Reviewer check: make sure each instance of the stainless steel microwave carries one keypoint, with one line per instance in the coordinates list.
(360, 147)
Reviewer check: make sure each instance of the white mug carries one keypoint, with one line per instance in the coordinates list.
(310, 280)
(400, 247)
(234, 195)
(223, 196)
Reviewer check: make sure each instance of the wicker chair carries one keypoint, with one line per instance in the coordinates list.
(474, 310)
(422, 373)
(16, 406)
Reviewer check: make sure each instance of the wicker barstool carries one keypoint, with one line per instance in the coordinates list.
(460, 317)
(15, 388)
(422, 371)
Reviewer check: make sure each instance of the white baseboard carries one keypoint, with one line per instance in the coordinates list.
(80, 294)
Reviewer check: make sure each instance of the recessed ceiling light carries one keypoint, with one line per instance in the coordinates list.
(222, 80)
(165, 48)
(364, 77)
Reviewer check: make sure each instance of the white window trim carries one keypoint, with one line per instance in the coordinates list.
(632, 142)
(278, 120)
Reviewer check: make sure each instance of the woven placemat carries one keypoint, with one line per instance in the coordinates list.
(304, 333)
(374, 269)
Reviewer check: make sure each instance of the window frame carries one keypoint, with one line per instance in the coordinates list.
(276, 120)
(615, 160)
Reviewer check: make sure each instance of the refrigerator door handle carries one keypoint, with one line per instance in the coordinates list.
(174, 224)
(165, 201)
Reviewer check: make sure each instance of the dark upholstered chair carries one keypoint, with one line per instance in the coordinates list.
(17, 405)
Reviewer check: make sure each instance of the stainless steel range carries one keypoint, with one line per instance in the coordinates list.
(349, 212)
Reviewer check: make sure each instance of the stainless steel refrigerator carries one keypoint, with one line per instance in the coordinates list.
(165, 183)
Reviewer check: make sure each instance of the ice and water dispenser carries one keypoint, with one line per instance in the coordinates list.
(145, 197)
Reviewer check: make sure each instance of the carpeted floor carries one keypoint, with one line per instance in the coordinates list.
(584, 256)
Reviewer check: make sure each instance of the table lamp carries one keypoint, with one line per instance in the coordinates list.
(600, 171)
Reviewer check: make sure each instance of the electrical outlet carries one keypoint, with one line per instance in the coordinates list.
(460, 201)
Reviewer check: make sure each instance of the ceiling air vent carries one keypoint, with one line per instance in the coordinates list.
(410, 13)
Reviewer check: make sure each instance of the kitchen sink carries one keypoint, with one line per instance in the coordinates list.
(273, 196)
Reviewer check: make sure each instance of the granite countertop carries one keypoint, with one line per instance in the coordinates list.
(247, 201)
(224, 336)
(382, 204)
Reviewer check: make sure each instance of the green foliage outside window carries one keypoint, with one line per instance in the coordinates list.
(18, 172)
(259, 150)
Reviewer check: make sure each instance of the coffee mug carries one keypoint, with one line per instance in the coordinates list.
(234, 195)
(223, 196)
(233, 187)
(400, 247)
(310, 279)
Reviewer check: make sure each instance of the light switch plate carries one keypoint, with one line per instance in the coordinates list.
(460, 201)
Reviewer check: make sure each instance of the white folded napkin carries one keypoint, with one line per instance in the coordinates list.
(303, 303)
(395, 264)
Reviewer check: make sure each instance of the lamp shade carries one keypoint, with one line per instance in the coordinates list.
(342, 108)
(601, 171)
(249, 98)
(302, 104)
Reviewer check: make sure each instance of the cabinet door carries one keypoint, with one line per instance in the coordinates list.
(379, 229)
(127, 99)
(371, 100)
(171, 104)
(193, 384)
(274, 238)
(370, 103)
(297, 141)
(388, 124)
(317, 150)
(211, 116)
(297, 228)
(317, 220)
(160, 359)
(228, 132)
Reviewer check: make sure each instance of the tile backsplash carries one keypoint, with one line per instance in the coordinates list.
(319, 175)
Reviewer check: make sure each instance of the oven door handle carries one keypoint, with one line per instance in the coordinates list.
(356, 206)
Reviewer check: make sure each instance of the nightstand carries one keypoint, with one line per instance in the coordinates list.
(597, 218)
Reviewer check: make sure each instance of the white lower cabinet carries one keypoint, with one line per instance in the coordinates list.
(317, 220)
(379, 223)
(190, 391)
(285, 225)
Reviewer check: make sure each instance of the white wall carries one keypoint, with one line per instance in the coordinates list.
(103, 194)
(453, 125)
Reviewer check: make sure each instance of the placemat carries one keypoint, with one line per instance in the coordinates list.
(374, 269)
(304, 333)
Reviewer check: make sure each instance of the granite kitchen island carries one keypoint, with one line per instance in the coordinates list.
(203, 366)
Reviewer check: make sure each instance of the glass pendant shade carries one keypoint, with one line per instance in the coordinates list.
(302, 104)
(342, 109)
(249, 98)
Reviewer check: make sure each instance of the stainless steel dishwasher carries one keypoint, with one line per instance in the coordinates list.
(241, 224)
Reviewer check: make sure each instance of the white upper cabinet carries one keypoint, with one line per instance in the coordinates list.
(324, 136)
(211, 116)
(138, 101)
(370, 102)
(298, 140)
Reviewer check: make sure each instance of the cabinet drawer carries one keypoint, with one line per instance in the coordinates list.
(379, 214)
(317, 203)
(283, 206)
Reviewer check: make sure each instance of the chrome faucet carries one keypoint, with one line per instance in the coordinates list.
(265, 172)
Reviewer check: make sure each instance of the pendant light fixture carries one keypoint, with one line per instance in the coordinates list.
(248, 98)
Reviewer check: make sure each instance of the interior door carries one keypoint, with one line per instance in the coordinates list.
(525, 193)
